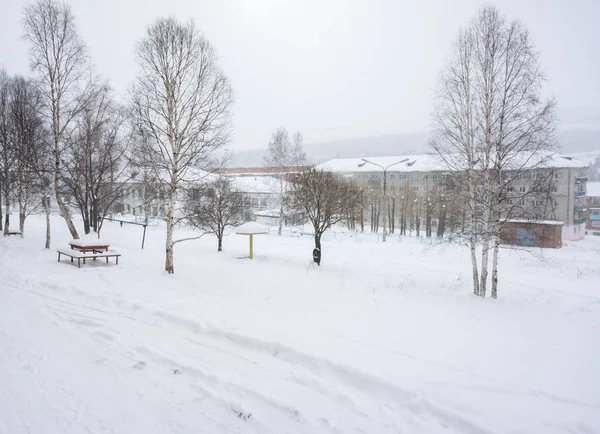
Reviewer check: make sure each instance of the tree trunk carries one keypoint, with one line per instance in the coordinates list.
(495, 267)
(362, 218)
(22, 217)
(485, 255)
(46, 201)
(473, 247)
(6, 217)
(61, 205)
(1, 226)
(169, 267)
(220, 242)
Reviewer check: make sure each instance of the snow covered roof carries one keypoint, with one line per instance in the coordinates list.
(256, 184)
(593, 189)
(537, 222)
(422, 163)
(252, 228)
(407, 163)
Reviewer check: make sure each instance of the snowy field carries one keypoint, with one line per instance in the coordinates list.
(383, 338)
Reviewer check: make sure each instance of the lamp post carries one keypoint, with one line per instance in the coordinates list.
(365, 161)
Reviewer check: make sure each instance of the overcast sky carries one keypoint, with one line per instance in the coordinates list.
(331, 68)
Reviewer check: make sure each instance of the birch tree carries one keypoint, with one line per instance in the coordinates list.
(59, 58)
(180, 101)
(492, 127)
(284, 152)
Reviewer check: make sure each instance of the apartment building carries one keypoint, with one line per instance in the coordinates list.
(593, 208)
(421, 179)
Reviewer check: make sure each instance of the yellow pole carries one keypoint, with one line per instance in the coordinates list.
(251, 252)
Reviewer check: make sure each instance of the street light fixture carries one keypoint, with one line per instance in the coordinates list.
(384, 168)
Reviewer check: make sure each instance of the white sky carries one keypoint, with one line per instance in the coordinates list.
(332, 68)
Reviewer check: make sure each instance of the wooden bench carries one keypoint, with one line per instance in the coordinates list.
(14, 232)
(76, 254)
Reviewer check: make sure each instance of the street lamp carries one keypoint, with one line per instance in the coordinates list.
(385, 211)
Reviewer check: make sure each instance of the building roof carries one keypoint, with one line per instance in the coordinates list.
(537, 222)
(256, 184)
(593, 189)
(424, 163)
(260, 171)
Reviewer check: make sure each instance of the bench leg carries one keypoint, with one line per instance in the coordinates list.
(79, 262)
(117, 259)
(107, 259)
(71, 259)
(58, 256)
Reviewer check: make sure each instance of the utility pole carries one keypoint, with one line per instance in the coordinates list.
(385, 208)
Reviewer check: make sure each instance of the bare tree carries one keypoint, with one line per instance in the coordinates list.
(59, 57)
(6, 149)
(180, 101)
(326, 198)
(32, 163)
(492, 125)
(284, 152)
(214, 206)
(95, 165)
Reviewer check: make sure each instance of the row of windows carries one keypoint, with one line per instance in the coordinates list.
(424, 188)
(404, 177)
(253, 202)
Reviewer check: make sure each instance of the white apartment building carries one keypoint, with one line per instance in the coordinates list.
(422, 176)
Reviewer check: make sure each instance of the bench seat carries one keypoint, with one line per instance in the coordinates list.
(79, 255)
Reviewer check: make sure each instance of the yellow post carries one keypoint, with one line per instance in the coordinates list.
(251, 252)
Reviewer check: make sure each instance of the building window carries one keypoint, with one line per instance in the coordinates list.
(434, 177)
(393, 187)
(374, 176)
(556, 175)
(402, 177)
(522, 189)
(521, 202)
(415, 188)
(392, 176)
(263, 202)
(415, 177)
(596, 224)
(521, 176)
(510, 189)
(401, 187)
(554, 189)
(254, 201)
(425, 177)
(424, 188)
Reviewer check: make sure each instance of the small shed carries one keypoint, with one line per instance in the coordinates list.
(532, 233)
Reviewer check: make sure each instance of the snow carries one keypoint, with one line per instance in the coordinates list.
(382, 338)
(252, 228)
(593, 189)
(537, 222)
(256, 184)
(429, 163)
(89, 241)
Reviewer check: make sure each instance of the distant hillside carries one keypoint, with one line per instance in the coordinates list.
(412, 143)
(572, 140)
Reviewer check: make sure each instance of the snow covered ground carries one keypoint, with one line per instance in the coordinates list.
(383, 338)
